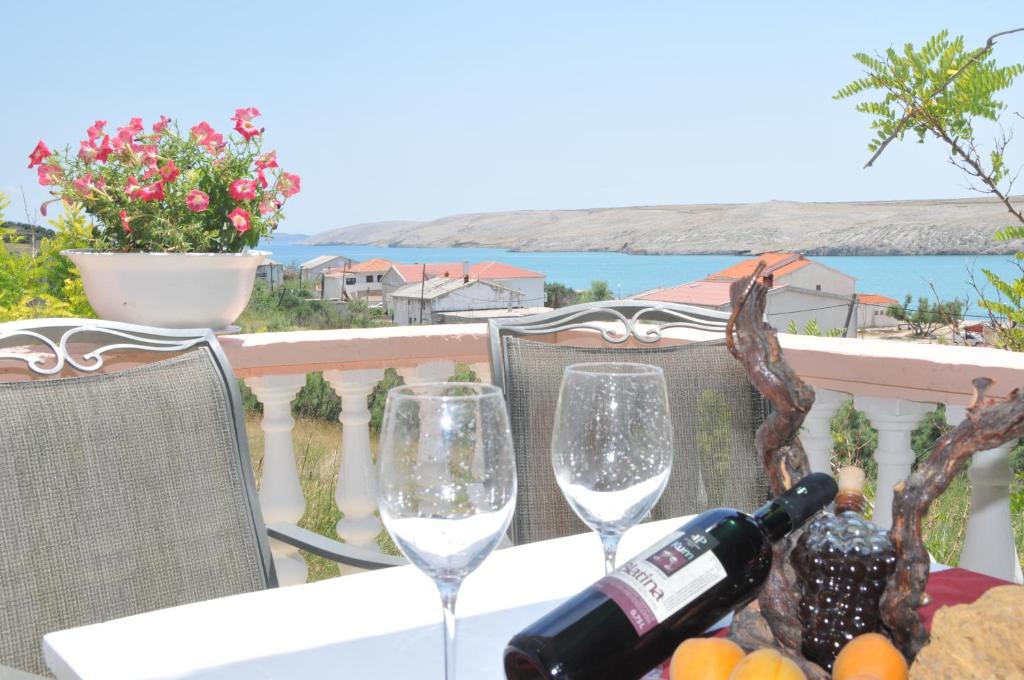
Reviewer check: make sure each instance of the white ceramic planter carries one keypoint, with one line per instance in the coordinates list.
(168, 290)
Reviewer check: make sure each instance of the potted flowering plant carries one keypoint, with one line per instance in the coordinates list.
(176, 215)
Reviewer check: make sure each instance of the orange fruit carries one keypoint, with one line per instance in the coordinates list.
(766, 664)
(704, 659)
(870, 654)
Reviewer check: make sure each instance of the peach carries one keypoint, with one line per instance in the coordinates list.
(766, 664)
(704, 659)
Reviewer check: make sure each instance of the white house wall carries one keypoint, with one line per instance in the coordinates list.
(312, 274)
(815, 274)
(532, 289)
(801, 306)
(391, 282)
(874, 316)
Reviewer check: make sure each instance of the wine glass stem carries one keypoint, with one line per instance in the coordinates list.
(449, 591)
(610, 543)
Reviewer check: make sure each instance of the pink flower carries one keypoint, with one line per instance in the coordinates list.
(104, 150)
(124, 221)
(197, 201)
(243, 122)
(126, 135)
(40, 153)
(243, 189)
(267, 160)
(207, 137)
(132, 188)
(169, 172)
(84, 185)
(95, 130)
(269, 205)
(239, 220)
(152, 192)
(262, 178)
(88, 150)
(161, 125)
(49, 174)
(288, 184)
(147, 152)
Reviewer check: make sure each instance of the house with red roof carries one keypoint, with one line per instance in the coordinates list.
(362, 280)
(873, 311)
(529, 284)
(801, 290)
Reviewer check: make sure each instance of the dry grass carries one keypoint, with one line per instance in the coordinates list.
(316, 457)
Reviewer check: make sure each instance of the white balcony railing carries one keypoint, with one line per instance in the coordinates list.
(895, 383)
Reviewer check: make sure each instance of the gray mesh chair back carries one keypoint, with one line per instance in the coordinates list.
(120, 492)
(715, 410)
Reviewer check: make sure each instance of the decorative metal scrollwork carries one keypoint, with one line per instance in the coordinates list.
(596, 318)
(39, 350)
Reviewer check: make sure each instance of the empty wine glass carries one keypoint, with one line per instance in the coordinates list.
(447, 482)
(612, 445)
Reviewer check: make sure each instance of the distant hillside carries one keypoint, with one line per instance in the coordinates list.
(333, 236)
(21, 239)
(939, 227)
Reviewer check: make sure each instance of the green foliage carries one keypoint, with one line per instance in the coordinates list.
(928, 431)
(941, 88)
(4, 204)
(317, 400)
(379, 398)
(559, 295)
(292, 307)
(811, 327)
(714, 441)
(927, 317)
(46, 284)
(598, 291)
(1008, 305)
(854, 439)
(137, 185)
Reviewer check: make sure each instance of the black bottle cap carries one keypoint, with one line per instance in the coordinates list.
(790, 510)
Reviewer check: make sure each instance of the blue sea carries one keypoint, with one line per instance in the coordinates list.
(890, 275)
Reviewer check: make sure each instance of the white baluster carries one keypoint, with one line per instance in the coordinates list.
(989, 546)
(281, 497)
(894, 419)
(817, 434)
(356, 493)
(432, 371)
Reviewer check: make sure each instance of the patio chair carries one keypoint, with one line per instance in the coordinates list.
(715, 410)
(125, 480)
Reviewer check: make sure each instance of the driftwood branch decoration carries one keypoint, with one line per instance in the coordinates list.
(755, 344)
(989, 423)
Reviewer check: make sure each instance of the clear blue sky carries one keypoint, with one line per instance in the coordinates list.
(417, 110)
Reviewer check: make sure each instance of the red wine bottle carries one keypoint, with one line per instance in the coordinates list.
(632, 619)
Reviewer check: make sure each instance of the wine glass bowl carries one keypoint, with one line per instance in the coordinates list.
(611, 446)
(446, 482)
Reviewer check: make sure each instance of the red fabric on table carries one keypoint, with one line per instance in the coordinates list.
(947, 587)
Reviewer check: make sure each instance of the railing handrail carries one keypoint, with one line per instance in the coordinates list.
(882, 368)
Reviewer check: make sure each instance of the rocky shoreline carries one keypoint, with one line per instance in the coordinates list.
(933, 227)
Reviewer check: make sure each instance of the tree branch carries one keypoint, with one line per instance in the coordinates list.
(989, 423)
(902, 123)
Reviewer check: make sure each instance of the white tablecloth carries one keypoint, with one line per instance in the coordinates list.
(383, 624)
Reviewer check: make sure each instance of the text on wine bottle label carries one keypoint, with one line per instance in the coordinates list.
(659, 582)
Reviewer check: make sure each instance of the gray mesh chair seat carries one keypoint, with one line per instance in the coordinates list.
(715, 412)
(122, 492)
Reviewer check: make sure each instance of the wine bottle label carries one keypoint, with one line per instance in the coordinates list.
(659, 582)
